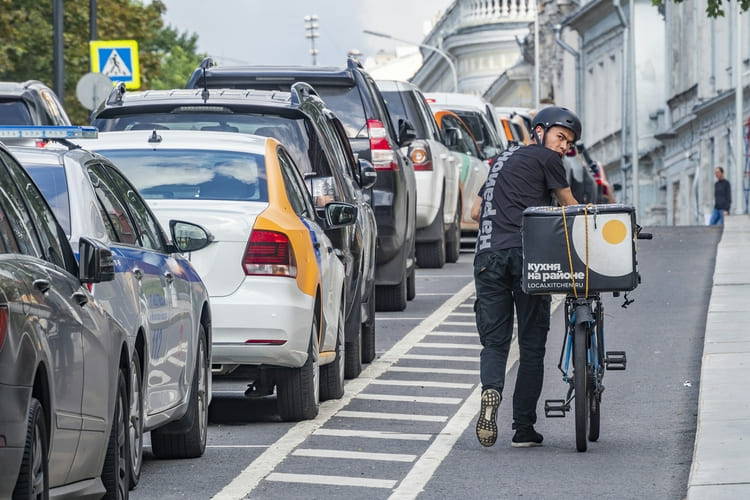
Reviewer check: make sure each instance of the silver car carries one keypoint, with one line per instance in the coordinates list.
(156, 295)
(64, 361)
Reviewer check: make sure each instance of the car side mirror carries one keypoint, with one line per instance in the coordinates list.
(189, 237)
(452, 137)
(406, 132)
(339, 214)
(95, 262)
(367, 174)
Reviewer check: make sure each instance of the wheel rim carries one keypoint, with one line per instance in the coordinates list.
(315, 361)
(202, 391)
(340, 343)
(37, 464)
(123, 483)
(136, 418)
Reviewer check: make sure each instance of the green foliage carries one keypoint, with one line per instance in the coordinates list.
(714, 7)
(167, 58)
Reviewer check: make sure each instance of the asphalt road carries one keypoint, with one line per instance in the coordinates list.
(405, 428)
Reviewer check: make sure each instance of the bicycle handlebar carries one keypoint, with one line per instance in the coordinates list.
(641, 235)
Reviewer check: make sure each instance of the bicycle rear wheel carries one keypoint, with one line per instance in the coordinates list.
(580, 382)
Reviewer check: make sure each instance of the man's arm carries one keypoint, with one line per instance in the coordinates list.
(565, 196)
(476, 208)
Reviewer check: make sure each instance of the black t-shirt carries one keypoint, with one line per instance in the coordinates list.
(521, 177)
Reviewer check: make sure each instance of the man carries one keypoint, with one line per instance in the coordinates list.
(722, 198)
(520, 177)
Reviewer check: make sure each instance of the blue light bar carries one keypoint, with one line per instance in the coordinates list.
(47, 132)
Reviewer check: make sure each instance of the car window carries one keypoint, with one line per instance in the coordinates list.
(428, 118)
(341, 168)
(402, 106)
(295, 188)
(7, 240)
(466, 144)
(54, 186)
(16, 218)
(14, 112)
(149, 230)
(45, 234)
(116, 217)
(188, 174)
(346, 102)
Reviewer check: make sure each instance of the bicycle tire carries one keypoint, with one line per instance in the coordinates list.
(594, 399)
(580, 382)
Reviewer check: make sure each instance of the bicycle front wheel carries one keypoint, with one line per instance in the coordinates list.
(594, 398)
(580, 381)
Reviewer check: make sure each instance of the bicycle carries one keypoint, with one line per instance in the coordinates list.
(584, 343)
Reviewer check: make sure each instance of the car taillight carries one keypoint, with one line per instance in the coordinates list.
(269, 253)
(420, 155)
(3, 325)
(382, 154)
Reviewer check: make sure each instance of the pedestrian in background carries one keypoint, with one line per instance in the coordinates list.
(722, 198)
(521, 177)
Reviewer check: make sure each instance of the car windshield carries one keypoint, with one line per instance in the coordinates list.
(291, 132)
(347, 104)
(14, 112)
(54, 186)
(188, 174)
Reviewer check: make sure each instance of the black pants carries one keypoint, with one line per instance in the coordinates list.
(497, 278)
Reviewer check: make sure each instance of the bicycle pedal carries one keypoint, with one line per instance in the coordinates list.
(615, 360)
(555, 408)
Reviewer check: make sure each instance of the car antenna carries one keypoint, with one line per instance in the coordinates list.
(155, 138)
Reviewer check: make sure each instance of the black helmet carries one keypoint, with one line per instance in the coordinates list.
(554, 115)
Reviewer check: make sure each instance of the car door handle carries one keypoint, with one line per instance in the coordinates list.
(138, 272)
(169, 277)
(42, 285)
(330, 249)
(80, 298)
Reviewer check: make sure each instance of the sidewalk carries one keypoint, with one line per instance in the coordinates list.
(721, 457)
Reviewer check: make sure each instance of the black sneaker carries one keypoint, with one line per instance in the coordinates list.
(486, 424)
(526, 437)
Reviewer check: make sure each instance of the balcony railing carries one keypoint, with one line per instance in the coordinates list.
(475, 12)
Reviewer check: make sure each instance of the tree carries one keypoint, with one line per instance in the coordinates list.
(713, 7)
(166, 57)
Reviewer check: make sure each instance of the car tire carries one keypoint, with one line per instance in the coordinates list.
(135, 424)
(368, 330)
(353, 343)
(33, 477)
(116, 470)
(332, 374)
(391, 297)
(453, 236)
(298, 389)
(186, 438)
(411, 284)
(432, 254)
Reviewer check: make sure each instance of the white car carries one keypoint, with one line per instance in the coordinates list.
(439, 203)
(275, 281)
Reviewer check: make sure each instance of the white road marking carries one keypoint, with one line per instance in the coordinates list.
(462, 314)
(237, 445)
(423, 383)
(259, 468)
(394, 318)
(391, 416)
(331, 480)
(438, 345)
(404, 436)
(466, 306)
(410, 399)
(460, 323)
(435, 293)
(419, 369)
(435, 357)
(355, 455)
(454, 334)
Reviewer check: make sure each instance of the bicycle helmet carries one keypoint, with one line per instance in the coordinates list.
(563, 117)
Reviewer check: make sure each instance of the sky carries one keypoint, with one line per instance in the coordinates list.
(272, 32)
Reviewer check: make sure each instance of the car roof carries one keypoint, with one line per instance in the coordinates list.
(233, 75)
(52, 154)
(180, 139)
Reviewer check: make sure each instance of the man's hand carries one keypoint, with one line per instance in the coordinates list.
(565, 196)
(476, 208)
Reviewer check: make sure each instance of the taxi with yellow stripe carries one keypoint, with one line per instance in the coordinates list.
(274, 279)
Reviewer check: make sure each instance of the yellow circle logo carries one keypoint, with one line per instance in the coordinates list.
(614, 232)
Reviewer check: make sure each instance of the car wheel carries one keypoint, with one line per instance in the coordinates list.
(353, 342)
(391, 297)
(135, 427)
(33, 478)
(297, 389)
(186, 438)
(411, 284)
(332, 374)
(432, 254)
(368, 330)
(453, 236)
(116, 470)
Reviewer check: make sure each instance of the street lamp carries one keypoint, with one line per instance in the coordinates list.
(311, 24)
(428, 47)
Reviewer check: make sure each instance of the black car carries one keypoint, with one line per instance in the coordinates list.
(314, 136)
(30, 103)
(352, 94)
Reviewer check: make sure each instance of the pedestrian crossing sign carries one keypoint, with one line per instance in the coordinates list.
(118, 59)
